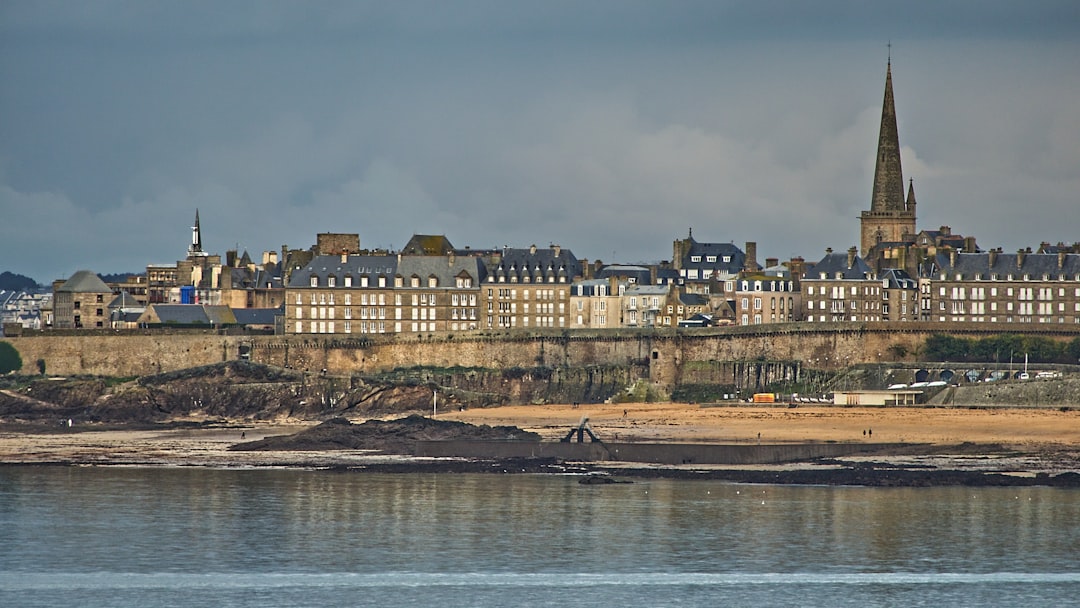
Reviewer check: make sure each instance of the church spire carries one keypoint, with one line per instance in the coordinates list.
(196, 237)
(888, 179)
(911, 195)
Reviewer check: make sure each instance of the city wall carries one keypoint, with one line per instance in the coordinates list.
(671, 357)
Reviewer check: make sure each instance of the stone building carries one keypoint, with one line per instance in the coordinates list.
(841, 287)
(597, 303)
(702, 265)
(766, 299)
(81, 302)
(365, 294)
(528, 288)
(997, 287)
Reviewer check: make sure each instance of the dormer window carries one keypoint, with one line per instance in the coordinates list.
(710, 258)
(314, 281)
(414, 281)
(727, 259)
(331, 281)
(695, 258)
(432, 282)
(363, 282)
(348, 280)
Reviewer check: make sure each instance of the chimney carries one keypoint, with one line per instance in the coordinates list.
(770, 262)
(992, 258)
(532, 250)
(946, 231)
(952, 257)
(1020, 258)
(797, 267)
(851, 257)
(1061, 259)
(750, 264)
(230, 257)
(345, 256)
(450, 259)
(557, 249)
(969, 244)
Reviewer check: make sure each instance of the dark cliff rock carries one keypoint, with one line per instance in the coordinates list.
(388, 436)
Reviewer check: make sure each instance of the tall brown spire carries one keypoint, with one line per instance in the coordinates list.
(890, 219)
(888, 179)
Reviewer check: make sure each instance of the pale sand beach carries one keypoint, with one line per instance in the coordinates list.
(1023, 430)
(692, 423)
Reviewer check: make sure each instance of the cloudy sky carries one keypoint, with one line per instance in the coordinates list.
(610, 127)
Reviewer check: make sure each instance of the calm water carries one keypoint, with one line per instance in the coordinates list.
(179, 537)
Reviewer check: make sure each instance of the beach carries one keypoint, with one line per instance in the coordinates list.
(1018, 439)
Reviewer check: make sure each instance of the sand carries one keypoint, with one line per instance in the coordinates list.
(1025, 430)
(682, 422)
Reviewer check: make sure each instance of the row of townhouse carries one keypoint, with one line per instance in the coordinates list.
(951, 287)
(375, 294)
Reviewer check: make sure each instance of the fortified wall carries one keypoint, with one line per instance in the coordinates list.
(738, 355)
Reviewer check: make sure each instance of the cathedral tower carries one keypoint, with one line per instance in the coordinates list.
(890, 218)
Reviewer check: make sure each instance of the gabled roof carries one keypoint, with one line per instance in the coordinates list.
(84, 281)
(125, 300)
(183, 314)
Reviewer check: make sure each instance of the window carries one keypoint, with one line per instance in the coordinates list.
(314, 281)
(331, 281)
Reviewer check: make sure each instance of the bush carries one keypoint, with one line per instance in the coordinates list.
(10, 361)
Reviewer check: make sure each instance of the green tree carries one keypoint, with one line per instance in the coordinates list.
(10, 361)
(1072, 351)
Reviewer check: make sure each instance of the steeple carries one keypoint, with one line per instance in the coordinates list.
(195, 249)
(911, 196)
(890, 219)
(888, 192)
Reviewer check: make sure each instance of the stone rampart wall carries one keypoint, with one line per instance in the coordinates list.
(672, 357)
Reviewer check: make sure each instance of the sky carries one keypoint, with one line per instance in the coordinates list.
(608, 127)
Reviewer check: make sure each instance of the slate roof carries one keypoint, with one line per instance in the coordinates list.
(639, 274)
(85, 281)
(836, 264)
(737, 259)
(589, 287)
(693, 299)
(245, 278)
(183, 314)
(1035, 265)
(324, 266)
(667, 276)
(256, 316)
(768, 284)
(124, 300)
(538, 265)
(428, 244)
(894, 278)
(445, 269)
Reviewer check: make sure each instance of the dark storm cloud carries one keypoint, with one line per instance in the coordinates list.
(609, 127)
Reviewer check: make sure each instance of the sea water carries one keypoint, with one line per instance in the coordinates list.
(153, 537)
